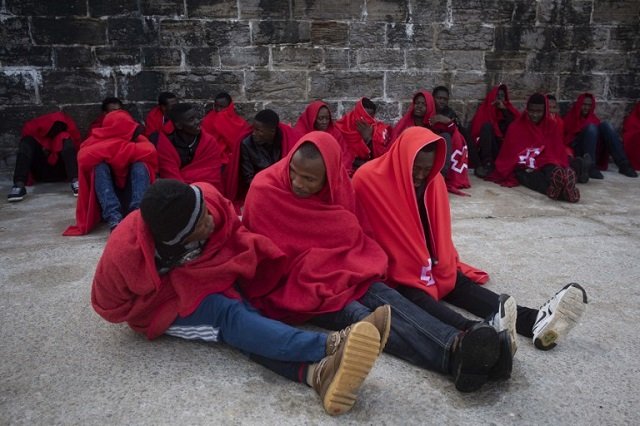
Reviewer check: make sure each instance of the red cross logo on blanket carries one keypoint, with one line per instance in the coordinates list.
(425, 274)
(459, 160)
(528, 157)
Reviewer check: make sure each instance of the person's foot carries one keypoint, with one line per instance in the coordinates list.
(475, 352)
(570, 192)
(75, 187)
(337, 377)
(627, 170)
(556, 183)
(503, 367)
(17, 193)
(483, 170)
(594, 173)
(581, 166)
(381, 320)
(505, 318)
(559, 315)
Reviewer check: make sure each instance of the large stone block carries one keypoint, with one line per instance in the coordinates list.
(625, 86)
(14, 32)
(142, 86)
(633, 62)
(341, 84)
(203, 57)
(281, 32)
(486, 11)
(469, 85)
(18, 56)
(269, 85)
(571, 85)
(410, 35)
(367, 34)
(161, 57)
(552, 60)
(162, 7)
(244, 57)
(227, 33)
(73, 57)
(335, 59)
(625, 37)
(203, 85)
(425, 59)
(261, 9)
(83, 115)
(216, 9)
(505, 61)
(550, 38)
(464, 37)
(248, 110)
(182, 33)
(284, 57)
(288, 112)
(379, 59)
(69, 31)
(69, 87)
(387, 10)
(403, 85)
(329, 33)
(600, 62)
(463, 60)
(18, 87)
(426, 11)
(616, 11)
(99, 8)
(523, 85)
(46, 8)
(388, 112)
(524, 12)
(561, 12)
(328, 9)
(110, 56)
(128, 31)
(588, 38)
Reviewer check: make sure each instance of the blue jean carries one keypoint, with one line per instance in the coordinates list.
(112, 199)
(416, 336)
(587, 141)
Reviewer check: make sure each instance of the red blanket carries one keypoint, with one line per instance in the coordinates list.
(206, 165)
(331, 261)
(156, 122)
(530, 146)
(489, 113)
(40, 126)
(384, 188)
(127, 287)
(226, 126)
(574, 123)
(631, 137)
(111, 144)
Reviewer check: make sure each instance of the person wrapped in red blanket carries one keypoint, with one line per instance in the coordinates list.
(177, 267)
(305, 203)
(108, 105)
(586, 134)
(365, 137)
(116, 164)
(405, 201)
(224, 124)
(631, 137)
(533, 155)
(157, 119)
(422, 113)
(489, 126)
(46, 152)
(189, 154)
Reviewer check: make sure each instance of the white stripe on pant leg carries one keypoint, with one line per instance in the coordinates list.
(194, 332)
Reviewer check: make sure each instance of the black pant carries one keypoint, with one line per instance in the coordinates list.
(471, 297)
(488, 145)
(538, 180)
(32, 158)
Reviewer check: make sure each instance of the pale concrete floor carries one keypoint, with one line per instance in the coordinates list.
(62, 364)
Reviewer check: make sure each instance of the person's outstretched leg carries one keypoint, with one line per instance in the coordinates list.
(585, 143)
(70, 160)
(107, 196)
(138, 181)
(614, 145)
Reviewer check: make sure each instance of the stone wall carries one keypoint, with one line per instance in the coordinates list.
(282, 54)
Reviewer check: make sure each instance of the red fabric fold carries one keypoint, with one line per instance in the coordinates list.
(488, 113)
(226, 126)
(38, 128)
(127, 286)
(156, 122)
(631, 137)
(111, 144)
(385, 190)
(331, 261)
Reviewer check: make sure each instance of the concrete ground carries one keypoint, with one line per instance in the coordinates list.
(62, 364)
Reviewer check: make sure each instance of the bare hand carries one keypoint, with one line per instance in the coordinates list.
(365, 130)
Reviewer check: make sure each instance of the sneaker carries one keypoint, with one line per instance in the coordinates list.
(381, 319)
(483, 171)
(475, 352)
(581, 166)
(503, 367)
(594, 173)
(505, 318)
(556, 183)
(337, 377)
(17, 194)
(75, 187)
(559, 315)
(570, 192)
(627, 170)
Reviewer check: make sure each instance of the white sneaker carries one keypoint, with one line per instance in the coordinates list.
(559, 315)
(505, 318)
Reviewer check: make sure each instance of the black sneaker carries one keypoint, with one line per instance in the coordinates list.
(627, 170)
(594, 173)
(75, 187)
(581, 166)
(484, 170)
(503, 367)
(475, 352)
(17, 194)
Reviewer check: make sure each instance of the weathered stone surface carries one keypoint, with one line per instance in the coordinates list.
(12, 56)
(380, 59)
(161, 57)
(218, 9)
(70, 87)
(329, 33)
(203, 84)
(265, 9)
(625, 37)
(402, 85)
(248, 110)
(524, 12)
(17, 87)
(387, 10)
(123, 30)
(367, 34)
(118, 56)
(83, 115)
(520, 88)
(269, 85)
(281, 32)
(463, 60)
(46, 8)
(388, 112)
(203, 57)
(465, 37)
(328, 9)
(244, 57)
(632, 62)
(288, 112)
(505, 61)
(549, 38)
(600, 62)
(336, 59)
(73, 57)
(340, 84)
(98, 8)
(425, 11)
(227, 33)
(142, 86)
(285, 57)
(616, 11)
(182, 33)
(14, 32)
(410, 35)
(552, 60)
(69, 31)
(625, 86)
(560, 12)
(424, 59)
(572, 85)
(172, 8)
(488, 11)
(469, 85)
(12, 120)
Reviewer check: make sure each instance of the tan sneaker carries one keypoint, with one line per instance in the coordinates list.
(381, 319)
(338, 377)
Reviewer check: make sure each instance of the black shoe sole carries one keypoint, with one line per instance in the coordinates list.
(503, 367)
(479, 351)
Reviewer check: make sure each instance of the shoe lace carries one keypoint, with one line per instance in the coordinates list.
(336, 339)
